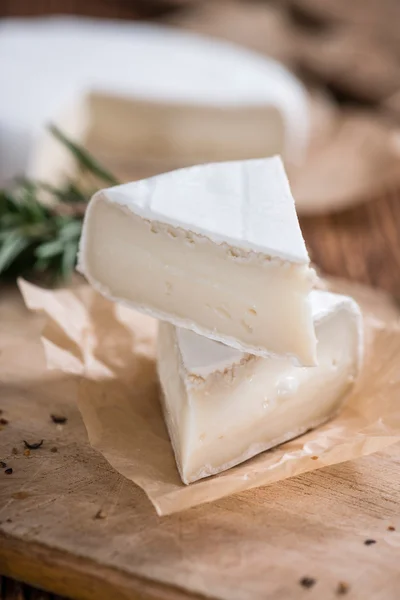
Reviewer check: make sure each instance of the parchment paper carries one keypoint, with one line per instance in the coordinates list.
(111, 350)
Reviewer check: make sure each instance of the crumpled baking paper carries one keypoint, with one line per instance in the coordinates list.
(111, 350)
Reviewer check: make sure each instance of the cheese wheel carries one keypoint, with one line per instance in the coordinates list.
(50, 66)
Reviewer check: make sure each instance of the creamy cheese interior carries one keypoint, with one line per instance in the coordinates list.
(222, 419)
(185, 133)
(246, 299)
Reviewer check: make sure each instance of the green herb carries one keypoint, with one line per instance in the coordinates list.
(37, 237)
(84, 159)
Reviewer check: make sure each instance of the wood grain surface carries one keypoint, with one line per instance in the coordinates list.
(261, 543)
(361, 243)
(255, 545)
(71, 524)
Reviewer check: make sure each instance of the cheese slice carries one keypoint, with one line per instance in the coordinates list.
(222, 406)
(214, 248)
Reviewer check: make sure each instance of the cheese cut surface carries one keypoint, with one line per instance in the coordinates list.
(222, 407)
(214, 248)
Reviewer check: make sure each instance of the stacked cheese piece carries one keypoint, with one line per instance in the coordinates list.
(249, 356)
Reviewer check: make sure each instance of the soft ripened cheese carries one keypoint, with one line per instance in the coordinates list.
(222, 406)
(61, 60)
(214, 248)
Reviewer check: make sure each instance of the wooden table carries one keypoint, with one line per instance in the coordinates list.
(361, 244)
(306, 535)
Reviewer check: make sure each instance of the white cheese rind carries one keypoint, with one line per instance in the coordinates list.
(231, 264)
(218, 417)
(202, 356)
(246, 204)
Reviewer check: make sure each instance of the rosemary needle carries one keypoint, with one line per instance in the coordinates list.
(44, 238)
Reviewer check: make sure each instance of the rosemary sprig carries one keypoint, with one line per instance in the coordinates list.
(44, 238)
(85, 161)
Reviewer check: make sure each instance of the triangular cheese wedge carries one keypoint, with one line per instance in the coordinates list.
(214, 248)
(222, 406)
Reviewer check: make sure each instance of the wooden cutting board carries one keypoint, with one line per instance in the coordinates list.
(70, 524)
(256, 545)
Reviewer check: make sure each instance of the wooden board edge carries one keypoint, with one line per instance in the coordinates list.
(59, 572)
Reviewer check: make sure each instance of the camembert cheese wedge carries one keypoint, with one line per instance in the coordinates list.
(223, 406)
(214, 248)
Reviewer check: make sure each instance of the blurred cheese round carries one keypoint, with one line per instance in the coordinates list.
(141, 89)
